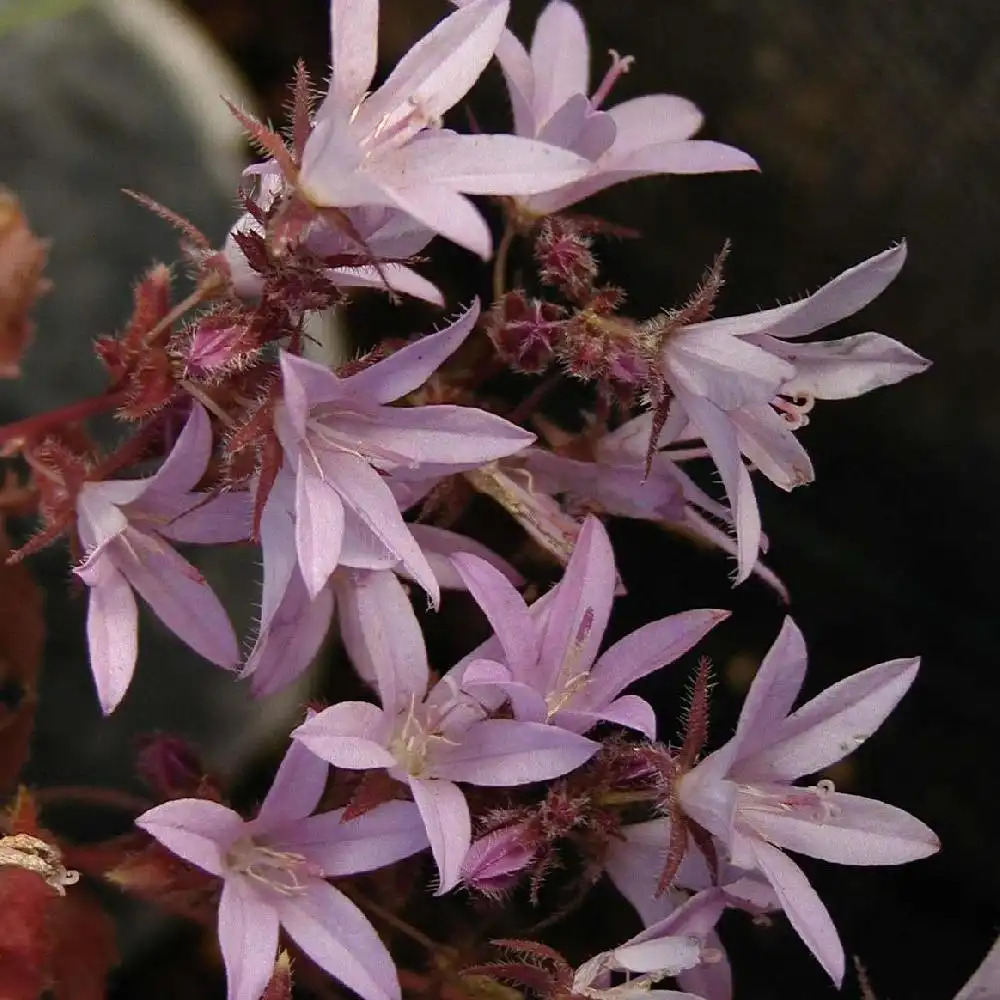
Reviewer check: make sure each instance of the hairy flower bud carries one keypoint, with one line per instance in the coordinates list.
(525, 331)
(496, 861)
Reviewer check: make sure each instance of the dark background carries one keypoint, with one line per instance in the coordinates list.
(872, 120)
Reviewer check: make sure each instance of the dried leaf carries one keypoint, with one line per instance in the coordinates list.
(22, 259)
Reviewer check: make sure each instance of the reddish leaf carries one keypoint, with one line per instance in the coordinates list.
(25, 944)
(84, 949)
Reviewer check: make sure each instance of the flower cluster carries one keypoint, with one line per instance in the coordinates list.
(533, 747)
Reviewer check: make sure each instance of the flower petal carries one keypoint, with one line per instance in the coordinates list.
(319, 525)
(766, 439)
(449, 827)
(351, 734)
(388, 277)
(833, 724)
(503, 752)
(353, 52)
(185, 464)
(630, 711)
(444, 211)
(440, 544)
(337, 936)
(804, 909)
(248, 937)
(652, 119)
(196, 830)
(296, 789)
(560, 58)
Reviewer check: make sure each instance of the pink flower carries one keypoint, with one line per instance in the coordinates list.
(388, 147)
(737, 384)
(545, 663)
(742, 793)
(644, 136)
(338, 437)
(431, 740)
(984, 984)
(275, 868)
(126, 527)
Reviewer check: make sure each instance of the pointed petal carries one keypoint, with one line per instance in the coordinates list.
(383, 636)
(719, 435)
(854, 831)
(319, 526)
(353, 52)
(644, 651)
(112, 629)
(179, 596)
(351, 734)
(185, 464)
(775, 687)
(438, 71)
(289, 638)
(500, 752)
(439, 545)
(984, 984)
(248, 937)
(804, 909)
(196, 830)
(449, 827)
(833, 724)
(560, 58)
(202, 519)
(484, 164)
(337, 936)
(446, 212)
(710, 980)
(653, 119)
(690, 156)
(490, 682)
(579, 610)
(305, 384)
(630, 711)
(674, 952)
(366, 496)
(394, 277)
(296, 789)
(845, 295)
(506, 611)
(843, 369)
(766, 439)
(410, 367)
(377, 838)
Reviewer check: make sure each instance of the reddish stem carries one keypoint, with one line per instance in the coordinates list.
(33, 427)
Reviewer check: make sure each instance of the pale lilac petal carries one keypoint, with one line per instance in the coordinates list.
(185, 464)
(644, 651)
(725, 370)
(436, 72)
(296, 789)
(845, 295)
(444, 211)
(766, 439)
(630, 711)
(99, 518)
(383, 636)
(277, 542)
(440, 545)
(857, 831)
(337, 936)
(319, 525)
(804, 909)
(520, 78)
(444, 436)
(775, 687)
(352, 734)
(488, 681)
(710, 980)
(719, 435)
(506, 611)
(560, 58)
(410, 367)
(305, 384)
(196, 830)
(179, 596)
(579, 610)
(691, 156)
(112, 629)
(377, 838)
(388, 276)
(502, 752)
(449, 827)
(366, 495)
(203, 519)
(843, 369)
(484, 164)
(289, 638)
(353, 52)
(832, 725)
(652, 119)
(248, 937)
(674, 953)
(578, 127)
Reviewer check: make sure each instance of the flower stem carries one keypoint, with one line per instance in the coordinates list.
(397, 922)
(500, 261)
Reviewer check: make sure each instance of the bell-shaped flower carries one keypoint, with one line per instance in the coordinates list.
(739, 385)
(388, 148)
(549, 92)
(126, 527)
(339, 438)
(743, 793)
(547, 663)
(274, 870)
(431, 740)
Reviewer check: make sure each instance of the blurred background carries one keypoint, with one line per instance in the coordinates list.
(871, 121)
